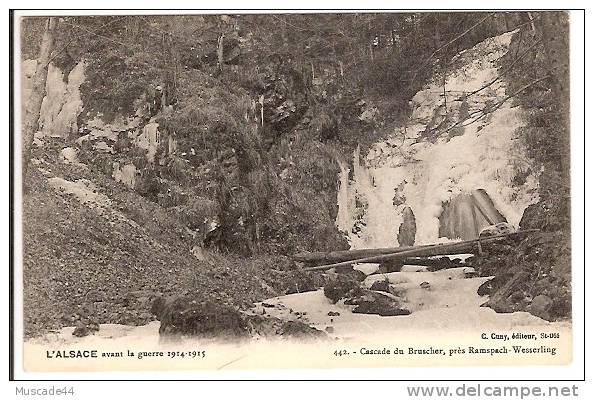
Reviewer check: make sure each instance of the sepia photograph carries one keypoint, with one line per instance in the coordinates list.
(206, 191)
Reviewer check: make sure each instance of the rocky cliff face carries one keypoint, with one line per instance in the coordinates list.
(238, 144)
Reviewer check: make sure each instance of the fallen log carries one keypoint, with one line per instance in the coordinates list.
(463, 247)
(346, 255)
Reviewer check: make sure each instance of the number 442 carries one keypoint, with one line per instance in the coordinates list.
(339, 353)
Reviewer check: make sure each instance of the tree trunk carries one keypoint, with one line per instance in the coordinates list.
(33, 104)
(220, 52)
(346, 255)
(531, 22)
(445, 98)
(424, 251)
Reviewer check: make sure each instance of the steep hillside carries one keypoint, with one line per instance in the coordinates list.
(96, 252)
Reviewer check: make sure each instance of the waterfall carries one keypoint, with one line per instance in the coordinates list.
(423, 166)
(149, 140)
(366, 207)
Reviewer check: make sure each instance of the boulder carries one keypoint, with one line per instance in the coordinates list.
(260, 325)
(492, 285)
(533, 217)
(198, 252)
(497, 229)
(298, 329)
(85, 328)
(299, 282)
(388, 266)
(408, 228)
(339, 287)
(69, 155)
(188, 316)
(381, 286)
(547, 215)
(540, 306)
(352, 273)
(370, 302)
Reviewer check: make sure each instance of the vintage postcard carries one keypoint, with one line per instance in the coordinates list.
(206, 191)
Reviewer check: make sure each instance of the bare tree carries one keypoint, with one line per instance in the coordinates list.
(221, 51)
(33, 105)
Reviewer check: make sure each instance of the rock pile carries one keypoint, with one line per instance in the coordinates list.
(532, 275)
(380, 299)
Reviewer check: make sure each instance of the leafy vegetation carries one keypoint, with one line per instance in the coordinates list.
(546, 132)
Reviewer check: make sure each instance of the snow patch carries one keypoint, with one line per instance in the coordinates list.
(83, 190)
(62, 103)
(125, 175)
(450, 304)
(87, 193)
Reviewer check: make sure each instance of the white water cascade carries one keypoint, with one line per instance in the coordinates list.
(428, 163)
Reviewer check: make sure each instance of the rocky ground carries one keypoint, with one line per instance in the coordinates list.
(96, 252)
(532, 274)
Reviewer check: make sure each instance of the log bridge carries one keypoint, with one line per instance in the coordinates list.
(323, 261)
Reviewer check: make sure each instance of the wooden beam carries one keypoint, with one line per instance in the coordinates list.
(466, 246)
(345, 255)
